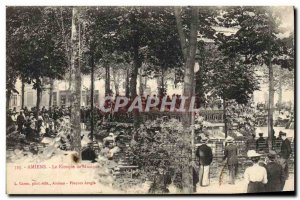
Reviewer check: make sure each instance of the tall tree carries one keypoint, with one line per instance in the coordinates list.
(75, 82)
(188, 46)
(258, 41)
(40, 53)
(12, 51)
(51, 87)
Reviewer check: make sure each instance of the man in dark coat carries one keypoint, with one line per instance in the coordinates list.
(20, 121)
(88, 153)
(231, 153)
(285, 153)
(261, 144)
(205, 156)
(275, 174)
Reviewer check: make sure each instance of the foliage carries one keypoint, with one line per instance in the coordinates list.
(243, 115)
(257, 36)
(160, 149)
(221, 76)
(35, 43)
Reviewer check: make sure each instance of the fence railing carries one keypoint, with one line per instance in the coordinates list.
(213, 116)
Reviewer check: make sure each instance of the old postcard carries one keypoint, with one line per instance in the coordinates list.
(150, 100)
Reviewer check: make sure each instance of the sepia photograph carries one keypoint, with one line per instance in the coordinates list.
(150, 100)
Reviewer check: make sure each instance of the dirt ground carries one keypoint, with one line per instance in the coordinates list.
(239, 187)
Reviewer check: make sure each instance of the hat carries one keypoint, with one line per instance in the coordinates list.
(272, 154)
(204, 140)
(282, 133)
(111, 134)
(252, 153)
(260, 134)
(229, 139)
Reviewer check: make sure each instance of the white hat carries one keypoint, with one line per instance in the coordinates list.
(111, 134)
(229, 139)
(252, 153)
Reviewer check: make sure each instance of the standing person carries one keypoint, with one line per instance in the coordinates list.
(20, 121)
(40, 121)
(275, 174)
(256, 175)
(14, 117)
(26, 111)
(205, 156)
(285, 153)
(251, 143)
(261, 144)
(231, 153)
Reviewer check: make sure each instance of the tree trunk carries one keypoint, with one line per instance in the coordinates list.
(8, 95)
(133, 94)
(141, 88)
(162, 86)
(116, 81)
(23, 94)
(133, 78)
(271, 96)
(145, 83)
(225, 118)
(51, 92)
(107, 79)
(92, 96)
(137, 63)
(181, 32)
(280, 89)
(127, 91)
(75, 88)
(271, 105)
(38, 96)
(188, 90)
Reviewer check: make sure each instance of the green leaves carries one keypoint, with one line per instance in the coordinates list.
(36, 42)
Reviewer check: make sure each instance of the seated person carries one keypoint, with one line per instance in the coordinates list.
(104, 152)
(88, 153)
(116, 149)
(110, 138)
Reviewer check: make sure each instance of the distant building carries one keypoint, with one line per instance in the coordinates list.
(60, 92)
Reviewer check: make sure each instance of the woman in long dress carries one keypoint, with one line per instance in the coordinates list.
(256, 175)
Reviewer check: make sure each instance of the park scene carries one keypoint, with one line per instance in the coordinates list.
(159, 100)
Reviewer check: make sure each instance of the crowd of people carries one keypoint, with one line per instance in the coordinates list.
(268, 175)
(33, 123)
